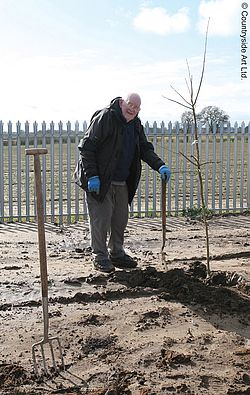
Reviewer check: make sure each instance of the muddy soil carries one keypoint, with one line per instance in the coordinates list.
(162, 328)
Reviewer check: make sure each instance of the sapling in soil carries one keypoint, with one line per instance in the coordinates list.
(190, 104)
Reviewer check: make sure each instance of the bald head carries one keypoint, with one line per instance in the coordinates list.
(134, 98)
(130, 106)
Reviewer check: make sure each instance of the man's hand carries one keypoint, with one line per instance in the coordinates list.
(165, 173)
(94, 184)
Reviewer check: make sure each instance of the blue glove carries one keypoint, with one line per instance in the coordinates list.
(94, 184)
(165, 173)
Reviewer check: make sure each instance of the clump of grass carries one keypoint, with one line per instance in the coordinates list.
(197, 213)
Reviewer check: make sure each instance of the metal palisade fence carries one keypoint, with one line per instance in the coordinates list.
(225, 156)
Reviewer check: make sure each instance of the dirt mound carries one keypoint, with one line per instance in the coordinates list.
(182, 286)
(13, 375)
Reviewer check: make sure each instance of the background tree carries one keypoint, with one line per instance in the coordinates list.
(188, 119)
(212, 115)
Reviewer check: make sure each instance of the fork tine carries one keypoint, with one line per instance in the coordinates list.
(60, 351)
(34, 360)
(53, 355)
(61, 354)
(41, 345)
(44, 360)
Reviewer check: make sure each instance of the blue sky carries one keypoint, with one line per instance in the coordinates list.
(63, 59)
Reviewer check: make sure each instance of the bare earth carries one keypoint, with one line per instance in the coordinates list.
(151, 330)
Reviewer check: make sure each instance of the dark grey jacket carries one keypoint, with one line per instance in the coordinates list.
(100, 148)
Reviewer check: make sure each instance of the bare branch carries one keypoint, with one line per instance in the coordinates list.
(191, 82)
(181, 104)
(196, 159)
(203, 66)
(194, 163)
(209, 163)
(189, 74)
(182, 171)
(187, 158)
(187, 86)
(183, 98)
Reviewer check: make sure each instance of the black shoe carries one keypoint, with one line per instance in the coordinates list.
(104, 265)
(124, 262)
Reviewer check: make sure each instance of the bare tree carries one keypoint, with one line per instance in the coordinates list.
(187, 118)
(212, 115)
(190, 104)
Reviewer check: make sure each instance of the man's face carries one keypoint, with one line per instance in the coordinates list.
(130, 108)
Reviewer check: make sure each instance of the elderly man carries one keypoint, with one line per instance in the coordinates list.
(110, 161)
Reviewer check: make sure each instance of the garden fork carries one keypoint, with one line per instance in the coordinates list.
(43, 273)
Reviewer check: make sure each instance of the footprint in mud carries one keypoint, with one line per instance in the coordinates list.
(173, 359)
(13, 267)
(74, 282)
(92, 344)
(93, 319)
(161, 317)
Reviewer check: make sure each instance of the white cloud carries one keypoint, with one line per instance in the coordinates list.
(157, 20)
(224, 16)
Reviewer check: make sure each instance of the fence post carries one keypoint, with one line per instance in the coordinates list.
(27, 172)
(35, 131)
(177, 167)
(68, 173)
(191, 184)
(154, 173)
(170, 145)
(18, 172)
(10, 171)
(242, 166)
(206, 165)
(235, 167)
(60, 172)
(76, 160)
(184, 167)
(146, 177)
(52, 171)
(85, 210)
(44, 171)
(221, 168)
(214, 165)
